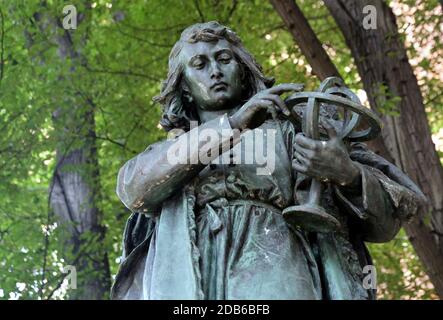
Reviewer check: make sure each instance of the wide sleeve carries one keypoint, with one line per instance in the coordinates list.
(156, 174)
(379, 206)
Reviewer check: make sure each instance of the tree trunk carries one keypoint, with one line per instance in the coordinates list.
(73, 199)
(381, 60)
(306, 39)
(317, 57)
(75, 186)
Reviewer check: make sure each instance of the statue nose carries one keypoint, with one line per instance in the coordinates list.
(216, 73)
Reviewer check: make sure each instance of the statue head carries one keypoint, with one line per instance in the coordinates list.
(208, 69)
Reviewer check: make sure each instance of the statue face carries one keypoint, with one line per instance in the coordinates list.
(212, 75)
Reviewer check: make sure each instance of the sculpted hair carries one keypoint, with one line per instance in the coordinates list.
(177, 110)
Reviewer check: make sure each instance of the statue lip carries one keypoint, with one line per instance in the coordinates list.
(219, 85)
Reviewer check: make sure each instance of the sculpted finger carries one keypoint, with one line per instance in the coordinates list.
(327, 124)
(299, 167)
(278, 102)
(301, 159)
(264, 103)
(260, 104)
(307, 153)
(285, 87)
(272, 110)
(307, 143)
(268, 106)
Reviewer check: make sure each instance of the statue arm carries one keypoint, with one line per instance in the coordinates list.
(377, 203)
(153, 176)
(370, 208)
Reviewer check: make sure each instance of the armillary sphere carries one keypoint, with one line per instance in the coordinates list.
(311, 216)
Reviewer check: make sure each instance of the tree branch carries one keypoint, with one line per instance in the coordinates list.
(306, 39)
(200, 13)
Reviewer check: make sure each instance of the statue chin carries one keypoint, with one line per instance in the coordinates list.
(222, 102)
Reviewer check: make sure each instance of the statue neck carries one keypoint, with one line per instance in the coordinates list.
(206, 115)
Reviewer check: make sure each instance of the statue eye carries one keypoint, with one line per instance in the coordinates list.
(198, 63)
(224, 58)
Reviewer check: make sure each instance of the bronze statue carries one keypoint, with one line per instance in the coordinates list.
(208, 220)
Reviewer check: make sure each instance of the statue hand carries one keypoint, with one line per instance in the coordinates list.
(327, 161)
(266, 100)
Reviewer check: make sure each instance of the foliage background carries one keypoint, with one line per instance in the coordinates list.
(124, 47)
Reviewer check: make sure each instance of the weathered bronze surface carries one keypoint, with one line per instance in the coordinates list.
(311, 216)
(208, 223)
